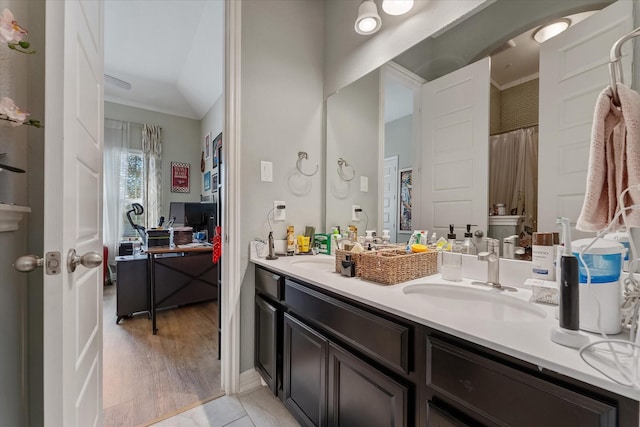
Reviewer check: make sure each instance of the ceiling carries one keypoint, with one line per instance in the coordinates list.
(509, 65)
(521, 62)
(170, 51)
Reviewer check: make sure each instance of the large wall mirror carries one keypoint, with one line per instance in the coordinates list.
(378, 126)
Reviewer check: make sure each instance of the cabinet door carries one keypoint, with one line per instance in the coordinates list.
(305, 373)
(360, 395)
(266, 339)
(132, 295)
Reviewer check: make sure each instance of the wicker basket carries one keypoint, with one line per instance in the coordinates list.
(341, 255)
(395, 266)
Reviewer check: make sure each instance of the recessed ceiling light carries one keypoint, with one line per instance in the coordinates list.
(397, 7)
(548, 31)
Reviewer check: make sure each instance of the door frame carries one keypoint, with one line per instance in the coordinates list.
(394, 193)
(232, 271)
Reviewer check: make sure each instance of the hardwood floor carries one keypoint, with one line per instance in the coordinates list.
(148, 376)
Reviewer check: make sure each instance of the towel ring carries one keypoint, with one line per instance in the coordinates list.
(342, 163)
(615, 65)
(303, 155)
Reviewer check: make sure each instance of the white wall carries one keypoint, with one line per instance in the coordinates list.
(181, 142)
(281, 114)
(349, 56)
(398, 136)
(352, 134)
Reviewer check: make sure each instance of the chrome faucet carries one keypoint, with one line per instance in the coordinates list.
(492, 256)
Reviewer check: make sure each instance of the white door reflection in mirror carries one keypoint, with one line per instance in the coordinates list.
(573, 71)
(455, 153)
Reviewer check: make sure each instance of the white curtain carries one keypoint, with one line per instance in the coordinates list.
(116, 145)
(513, 176)
(152, 149)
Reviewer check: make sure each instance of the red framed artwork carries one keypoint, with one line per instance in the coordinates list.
(179, 177)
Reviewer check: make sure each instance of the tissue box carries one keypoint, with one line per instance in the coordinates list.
(323, 243)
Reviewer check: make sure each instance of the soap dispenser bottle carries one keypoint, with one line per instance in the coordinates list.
(451, 239)
(468, 247)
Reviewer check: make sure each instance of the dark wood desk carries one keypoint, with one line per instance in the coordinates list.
(188, 268)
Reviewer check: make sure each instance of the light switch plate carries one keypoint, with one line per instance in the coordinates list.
(279, 214)
(364, 184)
(266, 171)
(355, 216)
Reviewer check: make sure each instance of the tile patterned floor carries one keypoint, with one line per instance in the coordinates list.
(257, 408)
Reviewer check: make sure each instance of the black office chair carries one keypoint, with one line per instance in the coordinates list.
(138, 210)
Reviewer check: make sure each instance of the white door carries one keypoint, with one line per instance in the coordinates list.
(390, 195)
(455, 150)
(73, 212)
(573, 71)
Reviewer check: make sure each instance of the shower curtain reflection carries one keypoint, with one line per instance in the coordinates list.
(513, 173)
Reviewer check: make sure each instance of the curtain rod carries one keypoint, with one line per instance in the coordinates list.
(125, 121)
(513, 130)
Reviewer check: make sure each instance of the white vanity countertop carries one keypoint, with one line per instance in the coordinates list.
(527, 339)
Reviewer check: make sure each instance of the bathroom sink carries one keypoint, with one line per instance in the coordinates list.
(318, 264)
(482, 304)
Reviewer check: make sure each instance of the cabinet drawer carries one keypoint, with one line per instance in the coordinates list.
(379, 338)
(508, 396)
(269, 284)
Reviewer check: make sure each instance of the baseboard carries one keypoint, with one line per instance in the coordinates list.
(249, 380)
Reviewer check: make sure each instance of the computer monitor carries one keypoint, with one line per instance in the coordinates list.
(198, 215)
(176, 210)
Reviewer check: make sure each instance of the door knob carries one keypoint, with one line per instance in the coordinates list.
(89, 260)
(27, 263)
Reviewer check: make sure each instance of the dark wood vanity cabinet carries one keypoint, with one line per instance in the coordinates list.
(326, 385)
(268, 326)
(338, 362)
(466, 386)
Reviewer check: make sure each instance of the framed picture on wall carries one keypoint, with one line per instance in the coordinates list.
(179, 177)
(214, 182)
(207, 181)
(207, 146)
(404, 210)
(216, 146)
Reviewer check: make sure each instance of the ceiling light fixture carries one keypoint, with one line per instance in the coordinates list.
(548, 31)
(368, 21)
(397, 7)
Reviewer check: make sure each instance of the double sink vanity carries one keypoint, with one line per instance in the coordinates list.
(428, 352)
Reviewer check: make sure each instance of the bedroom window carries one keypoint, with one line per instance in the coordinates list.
(131, 189)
